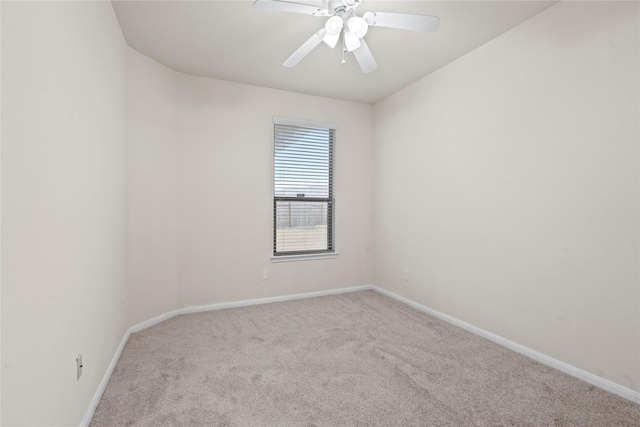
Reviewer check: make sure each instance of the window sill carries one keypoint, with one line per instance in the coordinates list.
(306, 257)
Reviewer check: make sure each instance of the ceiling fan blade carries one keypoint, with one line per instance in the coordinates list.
(287, 6)
(304, 50)
(365, 58)
(403, 21)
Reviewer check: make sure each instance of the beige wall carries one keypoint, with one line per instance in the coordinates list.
(200, 187)
(152, 184)
(63, 206)
(507, 183)
(225, 206)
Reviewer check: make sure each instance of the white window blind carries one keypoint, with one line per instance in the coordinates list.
(303, 202)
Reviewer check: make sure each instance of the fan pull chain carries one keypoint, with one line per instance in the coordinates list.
(344, 49)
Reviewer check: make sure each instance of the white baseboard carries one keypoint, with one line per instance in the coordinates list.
(258, 301)
(245, 303)
(105, 380)
(595, 380)
(148, 323)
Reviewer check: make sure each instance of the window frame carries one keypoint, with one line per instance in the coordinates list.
(331, 252)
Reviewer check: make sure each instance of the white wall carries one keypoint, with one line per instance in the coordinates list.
(507, 182)
(152, 184)
(225, 214)
(63, 206)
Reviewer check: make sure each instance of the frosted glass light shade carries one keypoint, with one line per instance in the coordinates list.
(331, 39)
(334, 25)
(351, 41)
(358, 26)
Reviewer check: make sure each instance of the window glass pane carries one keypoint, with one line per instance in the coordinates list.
(303, 189)
(301, 226)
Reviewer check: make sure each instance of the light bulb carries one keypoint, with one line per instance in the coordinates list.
(358, 26)
(334, 25)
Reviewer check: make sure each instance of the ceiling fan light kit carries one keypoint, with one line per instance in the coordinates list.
(344, 20)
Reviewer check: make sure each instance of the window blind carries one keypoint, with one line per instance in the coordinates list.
(303, 202)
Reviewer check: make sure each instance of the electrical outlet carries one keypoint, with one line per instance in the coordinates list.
(265, 274)
(406, 274)
(79, 366)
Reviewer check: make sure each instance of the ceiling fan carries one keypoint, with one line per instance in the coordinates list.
(344, 20)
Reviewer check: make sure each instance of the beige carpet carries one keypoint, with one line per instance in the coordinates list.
(358, 359)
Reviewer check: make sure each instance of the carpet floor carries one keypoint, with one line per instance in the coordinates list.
(356, 359)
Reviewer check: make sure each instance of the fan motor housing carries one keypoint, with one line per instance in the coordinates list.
(334, 6)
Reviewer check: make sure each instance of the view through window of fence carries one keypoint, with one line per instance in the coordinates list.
(303, 189)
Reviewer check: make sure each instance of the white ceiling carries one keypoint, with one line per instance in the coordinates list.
(230, 40)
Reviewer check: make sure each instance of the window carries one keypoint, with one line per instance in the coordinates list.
(303, 202)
